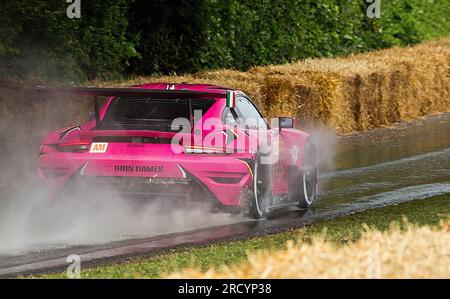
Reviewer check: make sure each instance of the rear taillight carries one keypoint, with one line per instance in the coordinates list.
(73, 147)
(54, 173)
(42, 151)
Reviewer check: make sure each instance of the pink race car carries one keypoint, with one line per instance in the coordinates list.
(194, 141)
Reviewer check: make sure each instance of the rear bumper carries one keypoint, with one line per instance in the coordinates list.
(222, 177)
(135, 186)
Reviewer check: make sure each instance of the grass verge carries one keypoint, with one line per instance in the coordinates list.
(340, 231)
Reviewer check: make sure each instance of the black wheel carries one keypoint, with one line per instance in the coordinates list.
(308, 181)
(261, 192)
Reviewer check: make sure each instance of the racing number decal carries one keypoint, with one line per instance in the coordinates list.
(98, 147)
(294, 153)
(279, 167)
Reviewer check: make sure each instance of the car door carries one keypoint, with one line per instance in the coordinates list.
(256, 125)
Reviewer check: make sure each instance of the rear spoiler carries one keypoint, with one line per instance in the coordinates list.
(125, 92)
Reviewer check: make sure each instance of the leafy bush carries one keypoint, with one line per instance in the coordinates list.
(43, 41)
(113, 38)
(242, 34)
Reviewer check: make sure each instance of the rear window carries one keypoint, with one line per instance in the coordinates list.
(150, 114)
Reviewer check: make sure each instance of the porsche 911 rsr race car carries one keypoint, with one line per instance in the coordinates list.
(195, 141)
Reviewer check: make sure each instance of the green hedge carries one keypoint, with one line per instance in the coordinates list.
(38, 39)
(116, 37)
(258, 32)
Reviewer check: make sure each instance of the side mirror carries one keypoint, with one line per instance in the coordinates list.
(286, 123)
(91, 116)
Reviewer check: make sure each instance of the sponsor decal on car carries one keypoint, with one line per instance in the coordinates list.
(139, 168)
(98, 147)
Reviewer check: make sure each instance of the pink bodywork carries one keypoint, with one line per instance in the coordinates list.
(55, 168)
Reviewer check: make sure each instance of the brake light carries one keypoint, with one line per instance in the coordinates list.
(54, 172)
(42, 151)
(73, 147)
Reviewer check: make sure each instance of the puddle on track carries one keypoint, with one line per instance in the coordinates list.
(399, 164)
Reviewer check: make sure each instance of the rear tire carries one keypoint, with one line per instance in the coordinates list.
(308, 183)
(260, 189)
(303, 182)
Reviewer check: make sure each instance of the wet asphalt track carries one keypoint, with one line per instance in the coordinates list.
(377, 168)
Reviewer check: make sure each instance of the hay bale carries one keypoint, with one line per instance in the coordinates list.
(353, 93)
(414, 252)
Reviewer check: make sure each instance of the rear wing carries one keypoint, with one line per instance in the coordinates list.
(126, 92)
